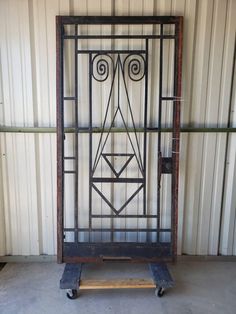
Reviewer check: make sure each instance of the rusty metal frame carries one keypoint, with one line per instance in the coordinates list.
(135, 252)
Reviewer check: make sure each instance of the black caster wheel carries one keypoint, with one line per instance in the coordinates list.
(72, 294)
(159, 292)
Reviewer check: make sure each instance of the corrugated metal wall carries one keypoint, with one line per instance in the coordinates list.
(27, 97)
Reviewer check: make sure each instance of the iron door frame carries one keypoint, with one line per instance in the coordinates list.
(96, 252)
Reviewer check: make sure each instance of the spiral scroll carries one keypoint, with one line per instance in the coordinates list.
(136, 65)
(101, 67)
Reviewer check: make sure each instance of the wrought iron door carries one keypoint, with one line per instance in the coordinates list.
(118, 77)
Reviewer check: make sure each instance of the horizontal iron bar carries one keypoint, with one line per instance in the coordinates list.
(115, 230)
(111, 51)
(117, 154)
(69, 98)
(117, 51)
(168, 98)
(123, 216)
(109, 20)
(15, 129)
(118, 180)
(119, 36)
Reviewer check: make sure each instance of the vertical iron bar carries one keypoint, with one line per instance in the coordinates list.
(111, 234)
(60, 139)
(176, 134)
(145, 127)
(90, 145)
(118, 83)
(76, 138)
(159, 134)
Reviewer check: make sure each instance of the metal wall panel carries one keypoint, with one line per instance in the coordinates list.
(27, 98)
(228, 230)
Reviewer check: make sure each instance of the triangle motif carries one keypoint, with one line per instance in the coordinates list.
(117, 162)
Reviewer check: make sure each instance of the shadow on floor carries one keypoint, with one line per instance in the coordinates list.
(2, 265)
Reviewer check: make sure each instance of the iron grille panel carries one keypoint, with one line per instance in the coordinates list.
(118, 64)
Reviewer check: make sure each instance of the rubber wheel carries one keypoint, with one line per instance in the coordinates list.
(72, 294)
(159, 292)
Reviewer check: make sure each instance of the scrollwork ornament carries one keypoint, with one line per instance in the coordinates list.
(136, 66)
(101, 67)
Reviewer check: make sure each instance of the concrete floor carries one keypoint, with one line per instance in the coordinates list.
(201, 287)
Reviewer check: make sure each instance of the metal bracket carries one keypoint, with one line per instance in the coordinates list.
(166, 165)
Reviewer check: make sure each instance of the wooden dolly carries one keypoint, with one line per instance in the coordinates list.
(161, 280)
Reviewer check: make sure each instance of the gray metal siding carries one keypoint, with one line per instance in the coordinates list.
(207, 203)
